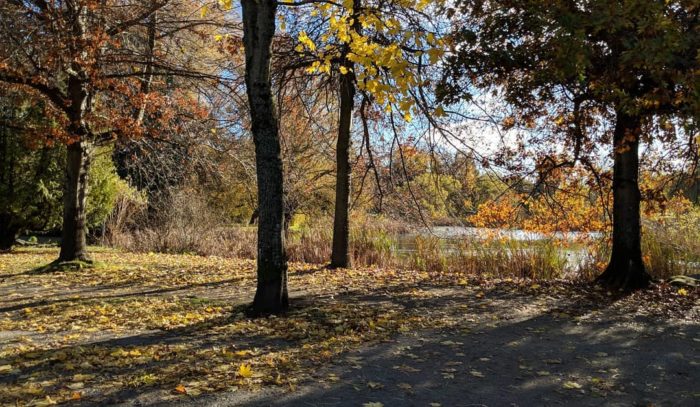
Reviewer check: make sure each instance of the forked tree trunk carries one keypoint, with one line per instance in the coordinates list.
(73, 238)
(626, 268)
(258, 30)
(340, 255)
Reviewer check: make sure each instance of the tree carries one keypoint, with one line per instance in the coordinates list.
(340, 254)
(259, 18)
(631, 61)
(61, 53)
(377, 49)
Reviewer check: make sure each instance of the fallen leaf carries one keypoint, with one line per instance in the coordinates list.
(374, 385)
(572, 385)
(76, 385)
(245, 371)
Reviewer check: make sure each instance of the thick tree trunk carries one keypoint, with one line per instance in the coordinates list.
(73, 239)
(340, 256)
(258, 30)
(626, 268)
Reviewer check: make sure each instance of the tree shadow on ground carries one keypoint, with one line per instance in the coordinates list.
(543, 360)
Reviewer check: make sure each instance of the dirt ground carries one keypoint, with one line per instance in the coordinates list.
(168, 330)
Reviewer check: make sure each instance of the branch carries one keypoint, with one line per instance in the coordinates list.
(128, 23)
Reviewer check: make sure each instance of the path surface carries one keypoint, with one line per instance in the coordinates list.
(128, 334)
(531, 359)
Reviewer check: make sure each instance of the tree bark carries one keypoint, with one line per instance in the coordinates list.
(626, 268)
(271, 296)
(340, 255)
(73, 239)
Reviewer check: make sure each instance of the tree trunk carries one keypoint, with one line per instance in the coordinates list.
(79, 153)
(626, 268)
(340, 255)
(258, 30)
(73, 239)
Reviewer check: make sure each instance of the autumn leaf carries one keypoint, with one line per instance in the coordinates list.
(572, 385)
(226, 4)
(374, 385)
(245, 371)
(180, 389)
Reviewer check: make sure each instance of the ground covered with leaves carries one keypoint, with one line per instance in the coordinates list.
(148, 329)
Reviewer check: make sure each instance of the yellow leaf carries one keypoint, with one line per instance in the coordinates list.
(76, 385)
(203, 12)
(245, 371)
(226, 4)
(343, 70)
(572, 385)
(180, 389)
(682, 291)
